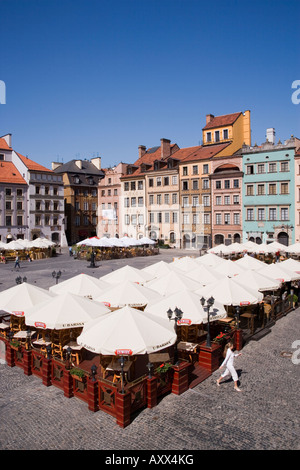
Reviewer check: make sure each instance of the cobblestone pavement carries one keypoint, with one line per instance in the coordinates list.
(264, 416)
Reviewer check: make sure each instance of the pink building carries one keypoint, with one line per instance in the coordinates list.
(109, 192)
(226, 194)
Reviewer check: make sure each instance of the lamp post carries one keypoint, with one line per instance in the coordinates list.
(209, 304)
(28, 337)
(56, 275)
(178, 315)
(93, 371)
(237, 317)
(122, 363)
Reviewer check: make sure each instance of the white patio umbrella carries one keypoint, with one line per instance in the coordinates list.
(172, 282)
(129, 241)
(64, 311)
(230, 268)
(204, 275)
(127, 331)
(274, 247)
(229, 292)
(295, 248)
(261, 248)
(278, 272)
(158, 269)
(146, 241)
(14, 245)
(248, 262)
(82, 284)
(126, 273)
(210, 259)
(249, 246)
(18, 298)
(257, 281)
(234, 248)
(189, 303)
(128, 293)
(185, 263)
(25, 243)
(218, 249)
(290, 264)
(3, 246)
(83, 242)
(40, 243)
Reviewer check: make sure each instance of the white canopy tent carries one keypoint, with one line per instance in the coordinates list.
(290, 264)
(257, 281)
(230, 268)
(295, 248)
(210, 259)
(204, 275)
(184, 264)
(248, 262)
(127, 331)
(126, 273)
(173, 282)
(280, 273)
(22, 296)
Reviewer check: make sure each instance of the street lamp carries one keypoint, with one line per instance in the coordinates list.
(209, 304)
(237, 316)
(178, 315)
(122, 363)
(56, 275)
(93, 371)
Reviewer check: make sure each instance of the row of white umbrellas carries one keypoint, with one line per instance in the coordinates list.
(156, 288)
(21, 244)
(123, 242)
(257, 248)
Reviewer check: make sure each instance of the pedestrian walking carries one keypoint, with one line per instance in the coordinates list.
(71, 251)
(17, 262)
(228, 362)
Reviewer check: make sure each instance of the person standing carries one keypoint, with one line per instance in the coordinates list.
(228, 362)
(17, 262)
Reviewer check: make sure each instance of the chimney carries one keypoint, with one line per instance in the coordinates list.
(7, 139)
(79, 163)
(209, 117)
(142, 150)
(55, 165)
(271, 135)
(165, 148)
(97, 162)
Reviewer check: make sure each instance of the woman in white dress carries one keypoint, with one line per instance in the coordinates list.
(228, 362)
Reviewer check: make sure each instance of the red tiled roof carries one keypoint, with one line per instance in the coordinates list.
(148, 158)
(10, 174)
(31, 165)
(220, 121)
(204, 153)
(3, 145)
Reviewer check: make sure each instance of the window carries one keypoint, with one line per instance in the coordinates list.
(77, 220)
(174, 217)
(115, 192)
(126, 187)
(166, 199)
(250, 190)
(140, 185)
(133, 202)
(166, 181)
(218, 219)
(227, 218)
(236, 199)
(261, 213)
(208, 136)
(284, 212)
(151, 182)
(195, 200)
(151, 217)
(250, 214)
(186, 219)
(218, 184)
(55, 191)
(159, 217)
(272, 213)
(109, 180)
(140, 219)
(37, 190)
(85, 206)
(205, 184)
(206, 218)
(284, 188)
(284, 166)
(225, 134)
(19, 192)
(260, 168)
(133, 219)
(217, 136)
(109, 192)
(236, 218)
(158, 199)
(126, 201)
(195, 185)
(174, 198)
(206, 201)
(227, 200)
(174, 179)
(85, 220)
(195, 219)
(260, 189)
(205, 169)
(167, 217)
(185, 170)
(218, 200)
(236, 183)
(8, 205)
(127, 219)
(185, 185)
(227, 184)
(185, 201)
(272, 167)
(151, 199)
(47, 220)
(140, 201)
(272, 188)
(38, 205)
(132, 185)
(195, 169)
(158, 181)
(37, 220)
(94, 206)
(250, 169)
(19, 206)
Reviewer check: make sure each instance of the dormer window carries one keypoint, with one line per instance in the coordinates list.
(208, 137)
(225, 134)
(217, 136)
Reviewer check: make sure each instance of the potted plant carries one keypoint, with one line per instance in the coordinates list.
(15, 345)
(78, 374)
(164, 367)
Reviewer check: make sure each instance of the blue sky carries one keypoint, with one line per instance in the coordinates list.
(103, 77)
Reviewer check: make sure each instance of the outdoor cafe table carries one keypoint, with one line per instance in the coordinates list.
(76, 350)
(188, 348)
(115, 366)
(41, 343)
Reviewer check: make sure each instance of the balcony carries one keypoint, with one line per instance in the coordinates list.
(55, 228)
